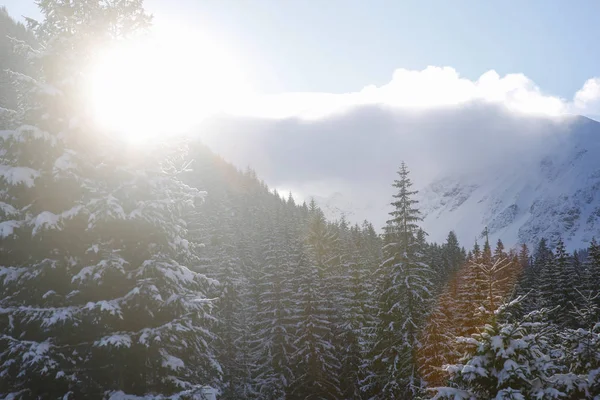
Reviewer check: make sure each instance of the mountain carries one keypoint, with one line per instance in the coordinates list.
(550, 193)
(523, 176)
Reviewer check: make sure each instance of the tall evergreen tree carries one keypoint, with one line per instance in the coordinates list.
(404, 294)
(94, 294)
(454, 257)
(438, 346)
(591, 271)
(317, 366)
(565, 293)
(274, 341)
(499, 250)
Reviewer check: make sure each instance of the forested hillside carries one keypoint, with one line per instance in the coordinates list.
(159, 270)
(391, 317)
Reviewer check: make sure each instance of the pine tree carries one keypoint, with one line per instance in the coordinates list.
(590, 281)
(487, 249)
(508, 360)
(95, 297)
(524, 257)
(10, 58)
(403, 300)
(471, 294)
(274, 334)
(499, 250)
(564, 294)
(548, 281)
(581, 348)
(453, 254)
(439, 335)
(229, 311)
(317, 366)
(353, 310)
(531, 284)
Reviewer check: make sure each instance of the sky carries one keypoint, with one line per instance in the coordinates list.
(339, 46)
(344, 90)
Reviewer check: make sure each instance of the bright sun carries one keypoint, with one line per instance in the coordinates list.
(164, 84)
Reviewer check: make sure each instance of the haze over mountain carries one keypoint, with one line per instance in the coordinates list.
(478, 164)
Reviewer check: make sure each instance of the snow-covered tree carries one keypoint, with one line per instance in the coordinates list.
(438, 341)
(317, 366)
(590, 275)
(581, 349)
(465, 306)
(10, 59)
(403, 295)
(274, 329)
(356, 307)
(565, 288)
(95, 296)
(506, 360)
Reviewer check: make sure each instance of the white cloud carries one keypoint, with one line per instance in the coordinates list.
(324, 144)
(587, 99)
(432, 87)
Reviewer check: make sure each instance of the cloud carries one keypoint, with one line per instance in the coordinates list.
(347, 147)
(429, 88)
(587, 99)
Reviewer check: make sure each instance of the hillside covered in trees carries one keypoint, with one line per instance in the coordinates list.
(156, 271)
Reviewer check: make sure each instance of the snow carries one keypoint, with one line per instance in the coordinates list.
(57, 316)
(44, 88)
(173, 272)
(198, 393)
(7, 209)
(45, 219)
(24, 131)
(64, 162)
(9, 274)
(18, 175)
(511, 394)
(36, 351)
(48, 220)
(111, 306)
(555, 191)
(5, 134)
(117, 340)
(82, 275)
(7, 228)
(171, 362)
(452, 393)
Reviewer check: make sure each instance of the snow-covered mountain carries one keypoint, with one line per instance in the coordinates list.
(549, 193)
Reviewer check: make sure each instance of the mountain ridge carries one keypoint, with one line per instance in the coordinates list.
(555, 193)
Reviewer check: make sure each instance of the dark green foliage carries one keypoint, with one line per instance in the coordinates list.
(403, 299)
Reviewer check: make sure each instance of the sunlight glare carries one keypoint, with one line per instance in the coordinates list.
(164, 84)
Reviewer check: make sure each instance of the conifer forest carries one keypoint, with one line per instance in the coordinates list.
(164, 272)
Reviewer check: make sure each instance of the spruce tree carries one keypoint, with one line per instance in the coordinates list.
(453, 254)
(403, 298)
(532, 277)
(507, 360)
(564, 294)
(581, 349)
(590, 281)
(354, 312)
(317, 367)
(95, 295)
(274, 339)
(438, 337)
(499, 250)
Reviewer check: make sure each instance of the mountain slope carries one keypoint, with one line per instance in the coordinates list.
(550, 193)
